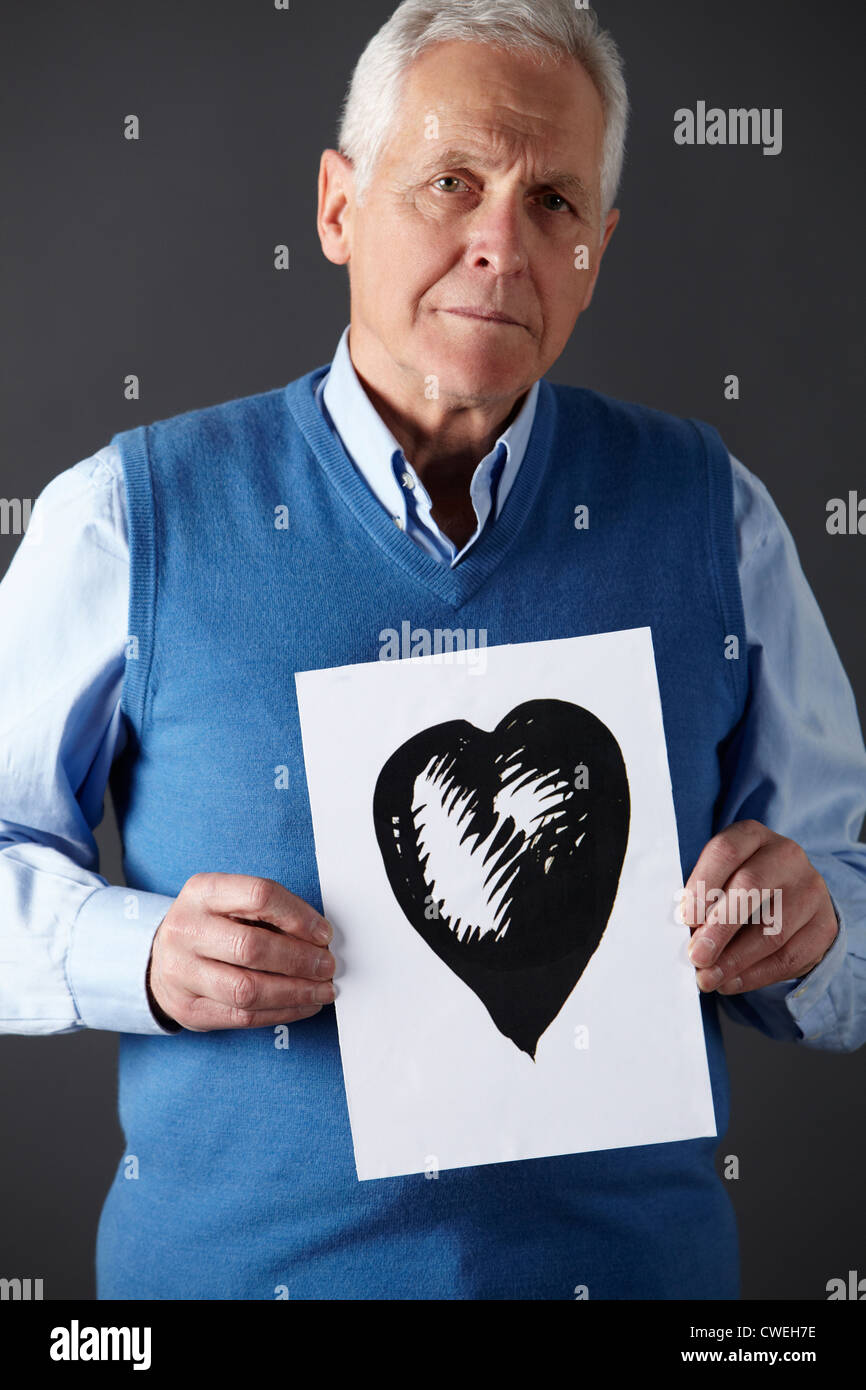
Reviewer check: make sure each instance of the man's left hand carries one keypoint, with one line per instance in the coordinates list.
(747, 941)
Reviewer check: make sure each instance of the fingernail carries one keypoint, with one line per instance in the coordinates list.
(702, 949)
(325, 964)
(325, 994)
(708, 979)
(323, 932)
(732, 986)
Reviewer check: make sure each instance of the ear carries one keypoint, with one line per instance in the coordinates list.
(336, 199)
(609, 228)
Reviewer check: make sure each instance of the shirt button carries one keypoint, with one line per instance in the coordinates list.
(398, 522)
(408, 480)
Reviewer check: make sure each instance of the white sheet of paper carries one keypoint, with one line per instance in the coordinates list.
(432, 1082)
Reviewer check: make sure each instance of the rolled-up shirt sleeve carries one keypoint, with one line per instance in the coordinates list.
(73, 948)
(797, 763)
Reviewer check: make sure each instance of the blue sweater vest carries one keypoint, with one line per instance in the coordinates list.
(247, 1186)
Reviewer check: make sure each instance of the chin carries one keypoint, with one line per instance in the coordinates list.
(479, 373)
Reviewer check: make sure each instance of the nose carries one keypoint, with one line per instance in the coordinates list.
(497, 237)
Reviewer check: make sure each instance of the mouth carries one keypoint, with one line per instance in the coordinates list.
(485, 316)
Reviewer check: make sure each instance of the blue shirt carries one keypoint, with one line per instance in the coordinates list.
(63, 637)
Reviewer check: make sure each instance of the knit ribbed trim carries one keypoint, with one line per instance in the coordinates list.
(142, 571)
(723, 551)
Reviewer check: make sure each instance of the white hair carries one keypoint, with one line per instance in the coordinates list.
(547, 28)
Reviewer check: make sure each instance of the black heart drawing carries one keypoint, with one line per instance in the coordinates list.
(504, 856)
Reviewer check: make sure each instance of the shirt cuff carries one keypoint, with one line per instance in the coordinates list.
(799, 1009)
(111, 938)
(809, 1002)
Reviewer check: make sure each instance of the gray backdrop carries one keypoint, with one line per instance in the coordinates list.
(156, 257)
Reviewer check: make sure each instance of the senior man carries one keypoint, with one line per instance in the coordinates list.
(429, 474)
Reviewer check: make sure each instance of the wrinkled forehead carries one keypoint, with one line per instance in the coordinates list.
(503, 107)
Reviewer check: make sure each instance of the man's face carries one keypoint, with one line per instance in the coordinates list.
(484, 218)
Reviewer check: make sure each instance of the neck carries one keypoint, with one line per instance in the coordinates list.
(444, 459)
(443, 439)
(444, 454)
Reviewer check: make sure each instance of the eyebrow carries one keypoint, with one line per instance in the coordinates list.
(453, 158)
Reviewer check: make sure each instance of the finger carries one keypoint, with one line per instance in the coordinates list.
(253, 990)
(261, 900)
(753, 891)
(255, 948)
(759, 940)
(792, 960)
(206, 1015)
(719, 860)
(749, 946)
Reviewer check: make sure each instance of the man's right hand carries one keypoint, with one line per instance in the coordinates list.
(235, 951)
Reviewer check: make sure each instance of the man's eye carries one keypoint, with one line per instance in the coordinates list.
(559, 198)
(447, 178)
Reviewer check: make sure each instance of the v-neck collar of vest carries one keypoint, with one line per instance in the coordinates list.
(454, 585)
